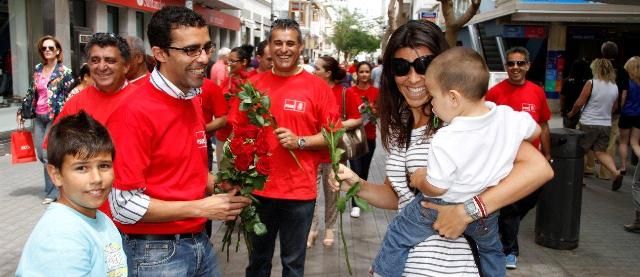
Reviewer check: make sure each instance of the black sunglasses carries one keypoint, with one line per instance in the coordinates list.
(194, 51)
(401, 67)
(44, 48)
(513, 63)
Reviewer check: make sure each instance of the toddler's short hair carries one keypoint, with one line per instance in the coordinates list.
(461, 69)
(78, 135)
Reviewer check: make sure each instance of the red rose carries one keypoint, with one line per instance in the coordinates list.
(262, 146)
(236, 144)
(247, 131)
(263, 166)
(248, 149)
(243, 161)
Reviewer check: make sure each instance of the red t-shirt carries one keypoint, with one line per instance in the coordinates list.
(352, 102)
(161, 147)
(528, 97)
(223, 133)
(141, 80)
(98, 104)
(301, 103)
(212, 101)
(372, 95)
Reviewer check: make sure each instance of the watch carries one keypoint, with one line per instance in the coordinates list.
(301, 143)
(472, 209)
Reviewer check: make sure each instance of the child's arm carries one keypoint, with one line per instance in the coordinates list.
(419, 181)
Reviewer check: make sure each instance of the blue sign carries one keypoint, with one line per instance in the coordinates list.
(427, 15)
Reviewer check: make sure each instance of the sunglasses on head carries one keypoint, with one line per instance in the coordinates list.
(44, 48)
(401, 67)
(513, 63)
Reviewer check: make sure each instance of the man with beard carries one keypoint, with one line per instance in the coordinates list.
(521, 95)
(301, 103)
(158, 199)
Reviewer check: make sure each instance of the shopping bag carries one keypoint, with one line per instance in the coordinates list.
(22, 149)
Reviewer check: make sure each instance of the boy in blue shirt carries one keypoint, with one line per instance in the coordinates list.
(73, 238)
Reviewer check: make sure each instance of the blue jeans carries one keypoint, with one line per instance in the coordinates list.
(414, 224)
(177, 257)
(41, 126)
(291, 221)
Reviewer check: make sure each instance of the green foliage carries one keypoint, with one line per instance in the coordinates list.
(351, 35)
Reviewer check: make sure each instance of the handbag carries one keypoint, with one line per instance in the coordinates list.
(28, 108)
(354, 141)
(22, 148)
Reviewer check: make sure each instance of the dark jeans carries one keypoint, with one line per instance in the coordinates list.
(177, 257)
(291, 221)
(509, 221)
(361, 165)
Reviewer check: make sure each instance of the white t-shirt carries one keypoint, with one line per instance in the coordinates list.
(473, 153)
(434, 256)
(68, 243)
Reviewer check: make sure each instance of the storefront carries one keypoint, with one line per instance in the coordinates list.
(225, 28)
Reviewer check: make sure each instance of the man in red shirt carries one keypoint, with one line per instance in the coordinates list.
(521, 95)
(301, 103)
(159, 198)
(138, 71)
(107, 56)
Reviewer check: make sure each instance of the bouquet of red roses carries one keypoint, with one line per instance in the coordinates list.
(245, 164)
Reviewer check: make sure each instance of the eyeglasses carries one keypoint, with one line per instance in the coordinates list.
(401, 67)
(194, 51)
(233, 61)
(513, 63)
(44, 48)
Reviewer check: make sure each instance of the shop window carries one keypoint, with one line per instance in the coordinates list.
(78, 13)
(113, 24)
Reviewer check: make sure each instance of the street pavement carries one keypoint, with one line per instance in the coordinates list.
(605, 249)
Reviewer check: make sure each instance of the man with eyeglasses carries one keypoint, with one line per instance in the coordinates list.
(521, 95)
(301, 104)
(158, 199)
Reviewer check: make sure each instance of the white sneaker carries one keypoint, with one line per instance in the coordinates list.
(355, 212)
(47, 201)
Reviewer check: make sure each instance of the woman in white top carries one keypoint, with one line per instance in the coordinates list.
(406, 121)
(597, 102)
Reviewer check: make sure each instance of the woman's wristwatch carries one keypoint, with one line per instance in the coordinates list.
(475, 208)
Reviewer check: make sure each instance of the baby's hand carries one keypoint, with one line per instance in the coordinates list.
(418, 177)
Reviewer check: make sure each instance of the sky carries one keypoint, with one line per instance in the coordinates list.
(369, 8)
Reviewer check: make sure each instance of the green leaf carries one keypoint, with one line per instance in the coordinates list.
(260, 229)
(341, 204)
(339, 133)
(353, 190)
(363, 204)
(246, 190)
(260, 120)
(266, 102)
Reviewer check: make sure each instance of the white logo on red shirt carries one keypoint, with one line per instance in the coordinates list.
(528, 107)
(294, 105)
(201, 139)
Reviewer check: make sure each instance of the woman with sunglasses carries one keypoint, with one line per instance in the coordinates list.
(406, 122)
(51, 82)
(364, 88)
(328, 69)
(238, 61)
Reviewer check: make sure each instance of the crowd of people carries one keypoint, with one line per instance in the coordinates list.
(128, 150)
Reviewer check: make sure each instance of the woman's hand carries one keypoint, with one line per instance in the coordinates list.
(451, 221)
(345, 174)
(19, 119)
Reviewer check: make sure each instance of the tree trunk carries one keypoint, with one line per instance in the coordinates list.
(392, 14)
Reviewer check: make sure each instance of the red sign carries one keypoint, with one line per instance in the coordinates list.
(145, 5)
(534, 32)
(218, 19)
